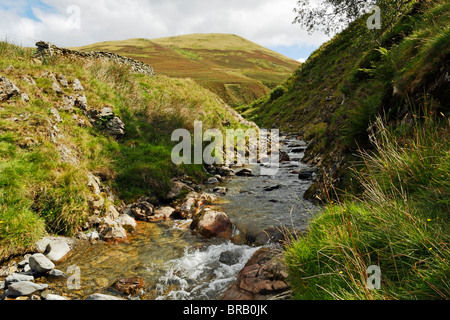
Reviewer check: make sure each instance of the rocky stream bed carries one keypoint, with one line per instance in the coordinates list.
(222, 241)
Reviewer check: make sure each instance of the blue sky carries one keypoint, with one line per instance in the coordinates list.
(266, 22)
(25, 7)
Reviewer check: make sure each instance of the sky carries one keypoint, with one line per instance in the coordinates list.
(71, 23)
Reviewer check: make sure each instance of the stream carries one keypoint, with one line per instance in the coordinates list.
(177, 264)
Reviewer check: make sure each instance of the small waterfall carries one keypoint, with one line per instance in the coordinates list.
(204, 273)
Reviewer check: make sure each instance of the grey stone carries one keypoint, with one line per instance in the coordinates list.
(62, 80)
(142, 210)
(56, 88)
(94, 235)
(41, 245)
(18, 277)
(53, 297)
(106, 113)
(230, 257)
(115, 127)
(7, 89)
(81, 102)
(127, 222)
(212, 180)
(220, 190)
(57, 274)
(24, 288)
(24, 261)
(40, 263)
(68, 103)
(56, 115)
(112, 212)
(244, 173)
(24, 97)
(29, 80)
(57, 250)
(77, 85)
(111, 231)
(99, 296)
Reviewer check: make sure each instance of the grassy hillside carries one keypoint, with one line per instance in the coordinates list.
(375, 106)
(48, 147)
(334, 97)
(237, 70)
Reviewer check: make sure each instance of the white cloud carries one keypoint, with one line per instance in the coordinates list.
(266, 22)
(302, 60)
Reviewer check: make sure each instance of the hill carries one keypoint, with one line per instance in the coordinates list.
(237, 70)
(333, 99)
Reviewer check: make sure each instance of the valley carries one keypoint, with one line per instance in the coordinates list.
(93, 206)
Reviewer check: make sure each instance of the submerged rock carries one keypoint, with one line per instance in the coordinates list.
(272, 188)
(230, 257)
(284, 157)
(130, 286)
(266, 236)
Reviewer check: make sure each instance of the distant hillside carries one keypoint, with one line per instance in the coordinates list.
(237, 70)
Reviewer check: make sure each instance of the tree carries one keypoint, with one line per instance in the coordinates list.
(332, 16)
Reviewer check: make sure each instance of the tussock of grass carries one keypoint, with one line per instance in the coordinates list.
(401, 224)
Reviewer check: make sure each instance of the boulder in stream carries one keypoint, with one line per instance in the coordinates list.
(40, 263)
(24, 288)
(263, 278)
(211, 223)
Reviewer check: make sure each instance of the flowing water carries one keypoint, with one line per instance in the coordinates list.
(178, 264)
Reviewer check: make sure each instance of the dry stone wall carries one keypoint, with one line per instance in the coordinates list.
(46, 49)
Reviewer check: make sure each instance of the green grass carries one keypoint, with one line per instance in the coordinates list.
(401, 224)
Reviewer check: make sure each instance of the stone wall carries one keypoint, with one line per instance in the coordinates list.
(45, 49)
